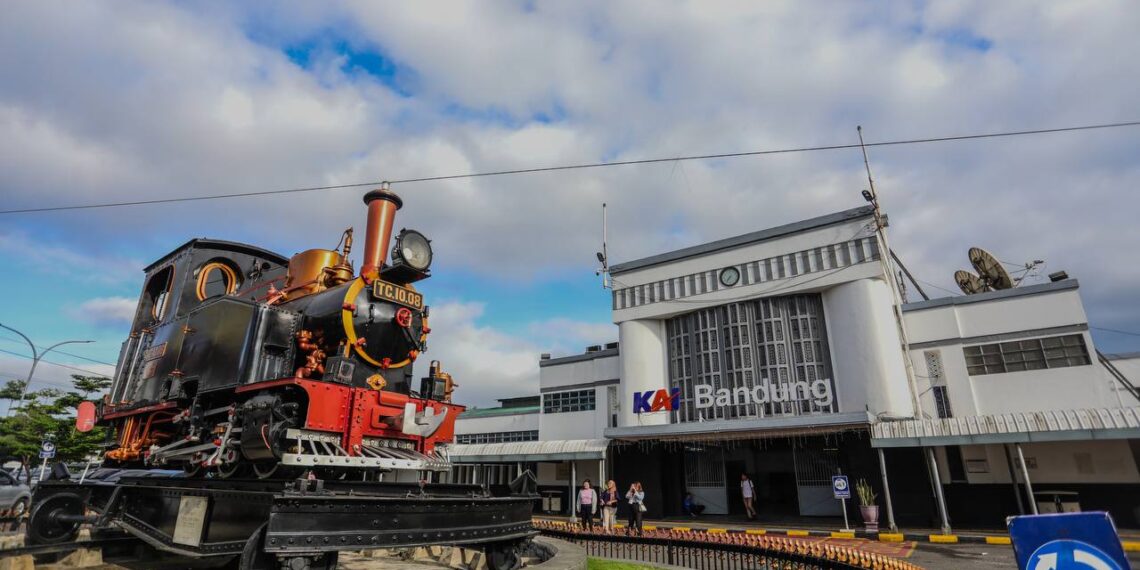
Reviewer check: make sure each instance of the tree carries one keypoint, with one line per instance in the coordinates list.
(50, 413)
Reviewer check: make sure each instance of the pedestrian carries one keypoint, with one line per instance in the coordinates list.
(636, 497)
(609, 506)
(748, 491)
(587, 505)
(690, 507)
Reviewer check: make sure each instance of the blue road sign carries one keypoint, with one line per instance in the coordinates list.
(1067, 541)
(840, 487)
(47, 450)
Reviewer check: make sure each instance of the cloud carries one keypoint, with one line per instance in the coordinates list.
(486, 362)
(112, 311)
(569, 335)
(178, 99)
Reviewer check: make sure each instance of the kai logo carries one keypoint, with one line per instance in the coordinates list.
(657, 401)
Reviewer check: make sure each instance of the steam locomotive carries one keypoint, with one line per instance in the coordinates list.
(243, 363)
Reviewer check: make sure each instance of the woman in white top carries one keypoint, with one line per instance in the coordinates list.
(587, 505)
(636, 497)
(748, 490)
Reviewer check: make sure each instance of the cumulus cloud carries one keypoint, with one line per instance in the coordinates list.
(155, 100)
(569, 335)
(487, 362)
(110, 311)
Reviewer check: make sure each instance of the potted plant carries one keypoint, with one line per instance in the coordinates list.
(867, 506)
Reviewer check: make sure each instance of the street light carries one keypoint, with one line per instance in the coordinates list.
(36, 356)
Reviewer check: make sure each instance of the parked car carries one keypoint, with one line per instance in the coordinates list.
(14, 497)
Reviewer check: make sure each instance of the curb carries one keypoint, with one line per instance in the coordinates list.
(993, 540)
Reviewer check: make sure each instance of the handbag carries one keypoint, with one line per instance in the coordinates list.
(641, 507)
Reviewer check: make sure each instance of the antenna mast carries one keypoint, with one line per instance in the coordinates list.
(603, 256)
(889, 276)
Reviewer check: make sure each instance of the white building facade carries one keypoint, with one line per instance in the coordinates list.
(778, 354)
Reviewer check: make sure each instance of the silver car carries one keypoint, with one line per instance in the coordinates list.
(14, 497)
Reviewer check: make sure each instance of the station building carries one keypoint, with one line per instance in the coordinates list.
(783, 354)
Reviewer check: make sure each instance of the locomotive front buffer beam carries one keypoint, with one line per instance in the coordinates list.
(263, 524)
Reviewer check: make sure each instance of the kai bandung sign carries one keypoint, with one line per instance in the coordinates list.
(705, 396)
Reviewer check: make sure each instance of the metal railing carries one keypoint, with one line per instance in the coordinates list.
(722, 551)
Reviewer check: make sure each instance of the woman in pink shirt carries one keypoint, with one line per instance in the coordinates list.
(587, 505)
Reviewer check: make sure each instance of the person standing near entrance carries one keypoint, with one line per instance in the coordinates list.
(587, 505)
(748, 491)
(609, 506)
(636, 497)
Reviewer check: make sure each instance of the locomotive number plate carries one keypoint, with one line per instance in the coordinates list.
(396, 294)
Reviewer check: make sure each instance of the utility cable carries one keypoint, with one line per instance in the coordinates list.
(88, 372)
(581, 166)
(1115, 331)
(57, 351)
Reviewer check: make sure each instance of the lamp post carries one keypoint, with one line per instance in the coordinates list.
(36, 357)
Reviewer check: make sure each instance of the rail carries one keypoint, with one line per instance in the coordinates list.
(117, 542)
(723, 551)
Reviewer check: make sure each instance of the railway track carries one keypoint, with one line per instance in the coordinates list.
(111, 544)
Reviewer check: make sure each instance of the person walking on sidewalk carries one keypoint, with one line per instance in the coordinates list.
(748, 491)
(587, 505)
(609, 506)
(636, 497)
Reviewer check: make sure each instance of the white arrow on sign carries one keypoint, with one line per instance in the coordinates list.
(1091, 560)
(1046, 561)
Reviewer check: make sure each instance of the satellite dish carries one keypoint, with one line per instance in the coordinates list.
(991, 270)
(969, 283)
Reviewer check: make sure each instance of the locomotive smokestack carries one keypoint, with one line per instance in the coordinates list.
(382, 206)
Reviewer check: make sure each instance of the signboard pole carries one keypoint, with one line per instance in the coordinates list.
(43, 469)
(841, 489)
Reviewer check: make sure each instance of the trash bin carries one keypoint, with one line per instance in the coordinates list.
(552, 502)
(1057, 501)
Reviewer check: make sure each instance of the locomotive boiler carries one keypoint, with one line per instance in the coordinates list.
(241, 362)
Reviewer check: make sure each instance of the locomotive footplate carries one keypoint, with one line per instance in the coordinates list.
(215, 517)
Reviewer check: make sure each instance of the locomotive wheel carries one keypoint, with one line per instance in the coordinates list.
(233, 470)
(274, 469)
(253, 555)
(192, 469)
(44, 526)
(503, 556)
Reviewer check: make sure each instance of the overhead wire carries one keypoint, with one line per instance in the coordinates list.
(61, 365)
(57, 351)
(580, 166)
(1118, 331)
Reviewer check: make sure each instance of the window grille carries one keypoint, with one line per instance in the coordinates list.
(738, 345)
(1030, 354)
(942, 402)
(498, 437)
(934, 366)
(573, 401)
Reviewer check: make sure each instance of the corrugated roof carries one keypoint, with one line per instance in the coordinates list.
(1016, 427)
(491, 412)
(560, 450)
(993, 295)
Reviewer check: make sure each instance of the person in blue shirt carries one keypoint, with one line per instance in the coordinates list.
(690, 507)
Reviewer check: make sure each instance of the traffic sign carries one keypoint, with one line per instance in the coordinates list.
(47, 450)
(840, 487)
(1067, 541)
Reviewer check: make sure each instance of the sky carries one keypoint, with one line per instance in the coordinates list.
(120, 101)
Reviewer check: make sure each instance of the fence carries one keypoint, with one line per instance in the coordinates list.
(724, 551)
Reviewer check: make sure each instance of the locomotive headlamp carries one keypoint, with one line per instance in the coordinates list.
(412, 249)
